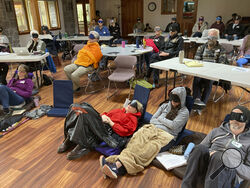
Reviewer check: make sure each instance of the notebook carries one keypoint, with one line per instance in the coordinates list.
(193, 63)
(171, 161)
(22, 51)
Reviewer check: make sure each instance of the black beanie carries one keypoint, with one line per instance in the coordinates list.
(245, 112)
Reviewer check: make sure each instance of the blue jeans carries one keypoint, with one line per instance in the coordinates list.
(9, 97)
(242, 61)
(202, 88)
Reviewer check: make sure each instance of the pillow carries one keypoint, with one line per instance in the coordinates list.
(150, 42)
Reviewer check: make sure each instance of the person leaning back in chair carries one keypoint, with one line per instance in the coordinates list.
(205, 158)
(84, 132)
(18, 89)
(172, 46)
(87, 60)
(166, 124)
(213, 52)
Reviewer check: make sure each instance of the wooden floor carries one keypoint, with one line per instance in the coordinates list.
(28, 155)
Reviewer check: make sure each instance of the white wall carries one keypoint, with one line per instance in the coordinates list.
(155, 18)
(212, 8)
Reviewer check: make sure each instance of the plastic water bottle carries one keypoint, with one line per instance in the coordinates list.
(181, 56)
(60, 35)
(188, 150)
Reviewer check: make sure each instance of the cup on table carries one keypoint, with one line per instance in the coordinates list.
(123, 44)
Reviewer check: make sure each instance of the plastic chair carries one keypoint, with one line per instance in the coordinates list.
(62, 97)
(124, 72)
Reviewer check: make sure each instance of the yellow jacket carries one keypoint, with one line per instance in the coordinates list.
(90, 54)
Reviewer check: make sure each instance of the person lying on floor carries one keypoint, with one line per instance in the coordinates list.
(90, 128)
(146, 143)
(18, 89)
(87, 60)
(206, 157)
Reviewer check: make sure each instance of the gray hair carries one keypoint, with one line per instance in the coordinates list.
(214, 33)
(96, 34)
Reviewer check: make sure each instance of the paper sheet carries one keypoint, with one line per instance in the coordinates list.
(170, 161)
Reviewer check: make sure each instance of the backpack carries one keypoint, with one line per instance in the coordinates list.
(47, 80)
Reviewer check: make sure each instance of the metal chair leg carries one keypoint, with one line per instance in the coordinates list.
(216, 100)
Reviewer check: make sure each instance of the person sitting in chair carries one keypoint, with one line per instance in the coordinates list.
(199, 27)
(206, 157)
(82, 135)
(166, 123)
(101, 29)
(173, 22)
(244, 56)
(172, 46)
(234, 30)
(87, 59)
(218, 24)
(4, 47)
(18, 89)
(213, 52)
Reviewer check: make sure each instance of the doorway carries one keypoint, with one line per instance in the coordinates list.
(186, 15)
(83, 16)
(130, 11)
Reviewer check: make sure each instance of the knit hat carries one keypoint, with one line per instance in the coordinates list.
(245, 112)
(94, 35)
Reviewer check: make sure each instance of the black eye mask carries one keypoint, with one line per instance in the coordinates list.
(133, 103)
(34, 35)
(238, 117)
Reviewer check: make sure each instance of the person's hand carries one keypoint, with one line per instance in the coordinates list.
(105, 119)
(163, 54)
(211, 153)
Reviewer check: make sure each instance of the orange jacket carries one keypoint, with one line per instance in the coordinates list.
(90, 54)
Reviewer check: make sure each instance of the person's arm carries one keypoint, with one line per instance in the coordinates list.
(207, 140)
(195, 28)
(107, 31)
(154, 119)
(223, 58)
(178, 122)
(199, 52)
(177, 49)
(244, 169)
(26, 91)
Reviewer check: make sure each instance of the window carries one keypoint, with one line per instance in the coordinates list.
(21, 16)
(32, 14)
(168, 6)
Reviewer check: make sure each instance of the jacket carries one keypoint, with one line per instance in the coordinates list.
(202, 27)
(220, 27)
(125, 123)
(115, 31)
(172, 126)
(89, 55)
(102, 32)
(40, 47)
(219, 139)
(22, 87)
(217, 54)
(85, 127)
(173, 45)
(237, 30)
(159, 42)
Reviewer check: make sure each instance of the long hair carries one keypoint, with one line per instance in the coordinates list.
(25, 67)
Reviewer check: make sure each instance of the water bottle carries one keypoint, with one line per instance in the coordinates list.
(60, 35)
(188, 150)
(66, 35)
(185, 33)
(181, 56)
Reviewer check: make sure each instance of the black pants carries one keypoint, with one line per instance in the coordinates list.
(153, 59)
(3, 73)
(201, 165)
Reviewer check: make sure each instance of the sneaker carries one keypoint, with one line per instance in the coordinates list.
(102, 163)
(110, 170)
(198, 104)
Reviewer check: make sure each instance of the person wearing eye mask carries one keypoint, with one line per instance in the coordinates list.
(205, 158)
(213, 52)
(146, 143)
(102, 29)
